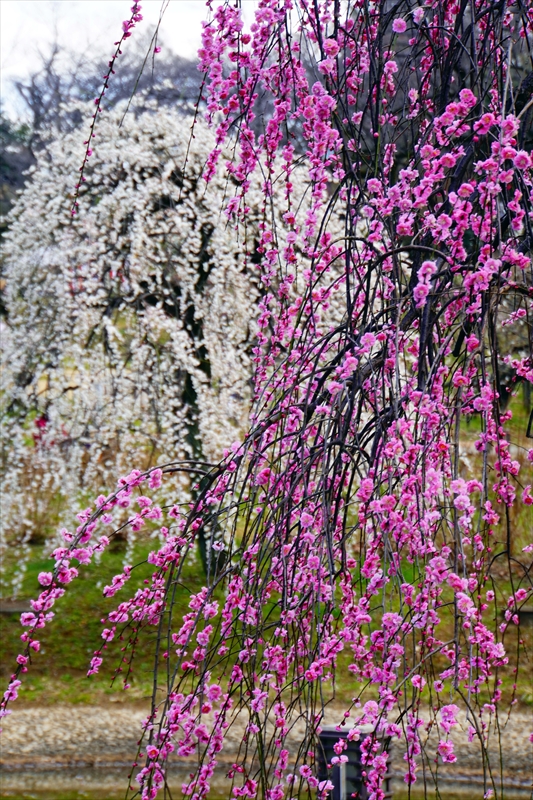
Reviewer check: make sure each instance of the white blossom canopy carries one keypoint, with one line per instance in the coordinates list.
(129, 327)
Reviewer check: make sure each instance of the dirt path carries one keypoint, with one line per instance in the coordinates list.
(82, 738)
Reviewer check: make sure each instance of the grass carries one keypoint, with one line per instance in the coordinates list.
(58, 671)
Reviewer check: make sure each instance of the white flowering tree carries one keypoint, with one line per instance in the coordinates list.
(128, 328)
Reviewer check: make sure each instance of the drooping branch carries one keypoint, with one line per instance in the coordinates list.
(359, 523)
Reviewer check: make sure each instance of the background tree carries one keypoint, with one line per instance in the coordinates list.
(117, 325)
(128, 331)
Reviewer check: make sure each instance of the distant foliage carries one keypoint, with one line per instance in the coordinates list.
(49, 100)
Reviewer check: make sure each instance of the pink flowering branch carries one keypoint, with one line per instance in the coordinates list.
(127, 28)
(352, 536)
(81, 546)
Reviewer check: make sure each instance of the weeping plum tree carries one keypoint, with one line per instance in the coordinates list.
(361, 541)
(117, 339)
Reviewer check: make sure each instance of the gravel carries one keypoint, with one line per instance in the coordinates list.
(76, 740)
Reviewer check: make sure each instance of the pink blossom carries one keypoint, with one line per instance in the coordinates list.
(155, 478)
(427, 270)
(331, 47)
(12, 690)
(485, 123)
(399, 25)
(445, 750)
(420, 294)
(152, 751)
(465, 190)
(214, 692)
(468, 97)
(521, 160)
(418, 681)
(366, 488)
(334, 387)
(448, 716)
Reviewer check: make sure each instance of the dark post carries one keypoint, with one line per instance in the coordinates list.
(346, 778)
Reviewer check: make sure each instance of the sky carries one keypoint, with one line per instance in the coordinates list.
(30, 26)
